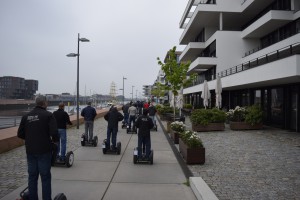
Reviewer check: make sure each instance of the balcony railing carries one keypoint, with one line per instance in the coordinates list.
(270, 57)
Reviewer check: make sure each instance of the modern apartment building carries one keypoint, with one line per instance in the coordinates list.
(17, 88)
(254, 46)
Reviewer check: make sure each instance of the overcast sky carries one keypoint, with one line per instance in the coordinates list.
(126, 37)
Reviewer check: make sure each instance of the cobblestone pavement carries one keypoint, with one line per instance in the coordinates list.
(258, 164)
(13, 170)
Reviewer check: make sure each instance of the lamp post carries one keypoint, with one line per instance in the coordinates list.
(77, 55)
(132, 93)
(123, 89)
(136, 95)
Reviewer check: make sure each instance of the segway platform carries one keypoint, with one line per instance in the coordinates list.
(69, 158)
(107, 149)
(154, 128)
(132, 130)
(25, 195)
(124, 125)
(142, 159)
(85, 142)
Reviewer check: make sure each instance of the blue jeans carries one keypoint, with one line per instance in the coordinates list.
(144, 141)
(89, 126)
(39, 164)
(62, 145)
(113, 133)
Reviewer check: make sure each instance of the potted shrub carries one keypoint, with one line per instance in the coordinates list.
(177, 127)
(191, 148)
(245, 118)
(187, 109)
(208, 119)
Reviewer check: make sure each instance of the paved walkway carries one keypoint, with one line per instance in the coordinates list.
(261, 164)
(258, 164)
(96, 176)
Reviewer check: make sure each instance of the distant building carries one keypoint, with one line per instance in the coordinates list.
(17, 88)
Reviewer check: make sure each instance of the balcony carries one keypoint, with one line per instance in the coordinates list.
(202, 64)
(271, 21)
(192, 51)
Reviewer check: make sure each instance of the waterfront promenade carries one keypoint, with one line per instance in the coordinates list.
(259, 164)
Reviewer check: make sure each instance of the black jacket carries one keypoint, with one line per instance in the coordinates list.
(89, 113)
(144, 124)
(113, 117)
(38, 128)
(62, 118)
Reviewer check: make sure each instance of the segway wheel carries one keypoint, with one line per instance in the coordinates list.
(69, 159)
(151, 157)
(95, 141)
(135, 155)
(104, 146)
(119, 148)
(83, 140)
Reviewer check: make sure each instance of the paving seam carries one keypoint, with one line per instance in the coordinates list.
(116, 169)
(187, 172)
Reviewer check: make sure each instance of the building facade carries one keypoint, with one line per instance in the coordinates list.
(17, 88)
(254, 46)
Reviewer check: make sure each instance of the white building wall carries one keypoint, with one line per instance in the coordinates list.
(229, 49)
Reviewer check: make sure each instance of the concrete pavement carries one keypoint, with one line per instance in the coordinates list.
(96, 176)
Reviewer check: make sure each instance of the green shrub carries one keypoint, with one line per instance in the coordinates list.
(188, 106)
(254, 114)
(206, 116)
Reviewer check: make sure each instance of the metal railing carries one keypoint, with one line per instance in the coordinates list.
(7, 122)
(270, 57)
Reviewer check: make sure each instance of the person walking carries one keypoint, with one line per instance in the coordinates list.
(89, 114)
(62, 119)
(112, 117)
(39, 129)
(144, 124)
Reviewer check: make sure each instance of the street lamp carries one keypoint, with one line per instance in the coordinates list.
(132, 93)
(77, 55)
(136, 95)
(123, 89)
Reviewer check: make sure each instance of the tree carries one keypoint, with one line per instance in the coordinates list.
(158, 90)
(176, 73)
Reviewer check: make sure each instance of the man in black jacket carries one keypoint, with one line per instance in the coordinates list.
(112, 117)
(89, 113)
(38, 128)
(62, 119)
(144, 123)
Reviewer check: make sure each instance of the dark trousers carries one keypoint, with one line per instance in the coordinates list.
(126, 116)
(131, 119)
(112, 132)
(39, 164)
(144, 141)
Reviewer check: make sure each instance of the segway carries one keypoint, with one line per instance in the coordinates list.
(86, 142)
(69, 160)
(25, 195)
(142, 159)
(124, 124)
(155, 126)
(107, 149)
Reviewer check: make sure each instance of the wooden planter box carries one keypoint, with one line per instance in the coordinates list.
(208, 127)
(175, 136)
(192, 155)
(244, 126)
